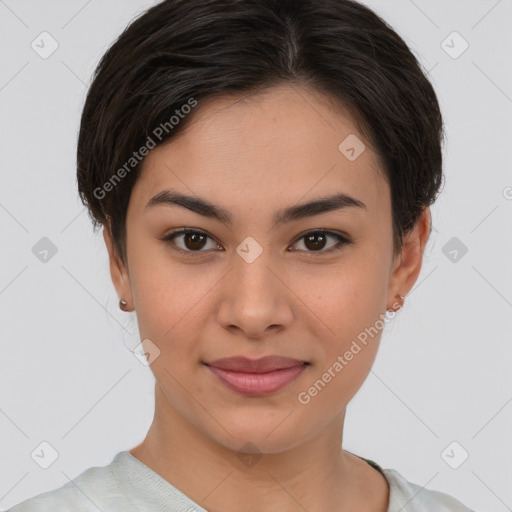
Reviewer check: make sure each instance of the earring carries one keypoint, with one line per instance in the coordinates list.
(123, 304)
(401, 297)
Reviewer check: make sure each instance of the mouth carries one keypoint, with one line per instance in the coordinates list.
(257, 377)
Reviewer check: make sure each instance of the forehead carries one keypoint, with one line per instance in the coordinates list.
(283, 144)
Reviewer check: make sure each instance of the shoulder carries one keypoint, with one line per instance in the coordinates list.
(92, 490)
(410, 497)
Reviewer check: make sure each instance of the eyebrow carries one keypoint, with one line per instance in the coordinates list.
(292, 213)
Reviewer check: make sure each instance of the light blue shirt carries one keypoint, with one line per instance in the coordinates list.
(126, 484)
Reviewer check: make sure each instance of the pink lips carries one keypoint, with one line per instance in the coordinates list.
(257, 377)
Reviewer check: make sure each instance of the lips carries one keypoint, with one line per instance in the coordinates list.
(256, 377)
(262, 365)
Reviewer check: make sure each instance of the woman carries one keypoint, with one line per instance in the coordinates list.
(262, 171)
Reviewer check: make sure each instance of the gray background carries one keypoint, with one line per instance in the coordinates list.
(442, 374)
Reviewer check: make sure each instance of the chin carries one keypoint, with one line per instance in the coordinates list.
(255, 435)
(257, 444)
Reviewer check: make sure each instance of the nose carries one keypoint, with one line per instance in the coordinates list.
(255, 298)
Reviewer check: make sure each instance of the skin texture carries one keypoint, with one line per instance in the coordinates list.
(254, 155)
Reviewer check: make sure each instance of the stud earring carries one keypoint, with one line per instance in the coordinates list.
(123, 304)
(402, 298)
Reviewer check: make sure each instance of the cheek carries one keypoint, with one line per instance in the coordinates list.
(155, 281)
(172, 303)
(347, 297)
(351, 306)
(344, 354)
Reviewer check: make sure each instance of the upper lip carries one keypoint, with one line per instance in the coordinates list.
(262, 365)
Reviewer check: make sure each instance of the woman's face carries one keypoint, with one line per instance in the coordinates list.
(262, 283)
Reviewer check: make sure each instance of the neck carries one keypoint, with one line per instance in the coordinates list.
(316, 475)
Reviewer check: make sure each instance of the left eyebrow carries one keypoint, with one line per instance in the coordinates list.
(292, 213)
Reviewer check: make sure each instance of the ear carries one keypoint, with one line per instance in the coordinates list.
(118, 272)
(407, 264)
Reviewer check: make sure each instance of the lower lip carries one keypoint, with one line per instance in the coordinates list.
(258, 384)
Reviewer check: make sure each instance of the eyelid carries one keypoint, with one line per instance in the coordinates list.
(169, 238)
(342, 240)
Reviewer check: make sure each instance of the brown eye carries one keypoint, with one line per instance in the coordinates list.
(316, 241)
(194, 241)
(191, 241)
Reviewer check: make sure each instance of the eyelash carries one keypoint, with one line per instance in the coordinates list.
(342, 241)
